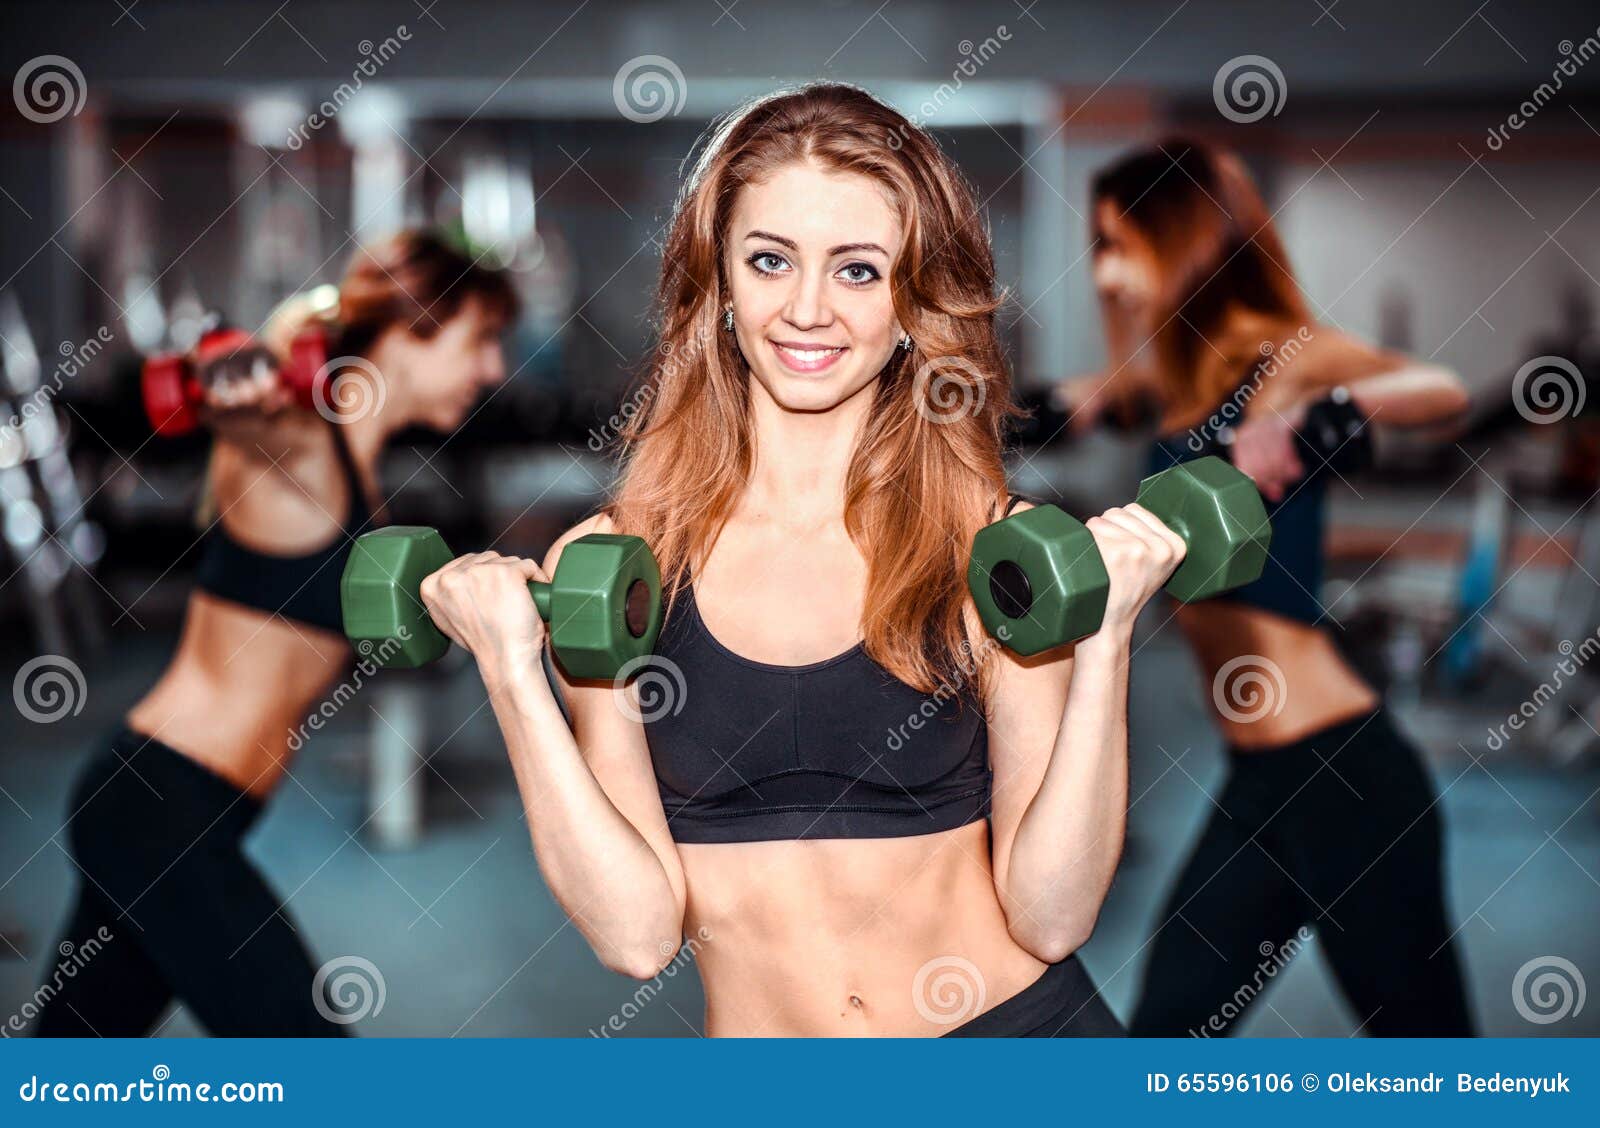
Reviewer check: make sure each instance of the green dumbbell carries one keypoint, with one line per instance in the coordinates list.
(602, 607)
(1038, 580)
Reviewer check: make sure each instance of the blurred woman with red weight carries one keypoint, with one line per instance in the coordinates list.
(158, 817)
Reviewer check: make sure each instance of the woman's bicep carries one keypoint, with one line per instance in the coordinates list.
(610, 736)
(608, 729)
(1027, 703)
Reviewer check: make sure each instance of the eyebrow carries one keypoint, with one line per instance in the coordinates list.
(842, 248)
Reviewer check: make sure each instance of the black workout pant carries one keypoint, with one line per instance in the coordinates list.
(173, 907)
(1062, 1003)
(1340, 830)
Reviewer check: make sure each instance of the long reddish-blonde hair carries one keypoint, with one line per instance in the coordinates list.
(927, 468)
(1217, 251)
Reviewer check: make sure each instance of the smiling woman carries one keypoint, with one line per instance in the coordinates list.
(812, 516)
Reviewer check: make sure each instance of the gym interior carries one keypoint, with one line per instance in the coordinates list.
(1434, 172)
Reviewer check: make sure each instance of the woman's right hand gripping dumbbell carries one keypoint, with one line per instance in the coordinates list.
(1140, 554)
(480, 601)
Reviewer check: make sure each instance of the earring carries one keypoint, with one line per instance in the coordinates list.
(727, 319)
(906, 342)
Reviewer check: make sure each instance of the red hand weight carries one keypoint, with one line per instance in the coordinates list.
(173, 384)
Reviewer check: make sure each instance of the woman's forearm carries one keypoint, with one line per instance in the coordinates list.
(1413, 395)
(601, 870)
(1069, 840)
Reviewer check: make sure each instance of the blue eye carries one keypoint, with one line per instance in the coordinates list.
(860, 273)
(767, 262)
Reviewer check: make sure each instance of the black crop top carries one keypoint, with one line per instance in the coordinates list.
(840, 748)
(303, 588)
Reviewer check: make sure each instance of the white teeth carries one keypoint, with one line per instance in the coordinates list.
(809, 356)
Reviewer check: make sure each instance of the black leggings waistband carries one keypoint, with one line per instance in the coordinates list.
(138, 773)
(1062, 1003)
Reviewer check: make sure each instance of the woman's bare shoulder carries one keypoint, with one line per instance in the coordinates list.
(595, 523)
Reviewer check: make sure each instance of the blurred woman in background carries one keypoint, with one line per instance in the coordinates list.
(1327, 814)
(159, 816)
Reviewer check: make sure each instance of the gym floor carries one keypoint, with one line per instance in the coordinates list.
(468, 942)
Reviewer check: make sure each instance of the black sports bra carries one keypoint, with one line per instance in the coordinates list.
(751, 751)
(303, 588)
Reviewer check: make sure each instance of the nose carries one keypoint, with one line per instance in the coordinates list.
(494, 369)
(807, 307)
(1105, 273)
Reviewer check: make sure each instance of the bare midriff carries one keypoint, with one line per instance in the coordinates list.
(239, 689)
(841, 937)
(1271, 680)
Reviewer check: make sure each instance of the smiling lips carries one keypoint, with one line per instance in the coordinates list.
(799, 357)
